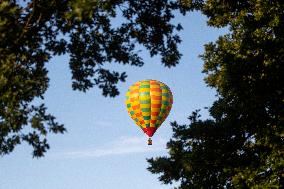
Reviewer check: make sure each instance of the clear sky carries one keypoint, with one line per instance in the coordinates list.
(103, 148)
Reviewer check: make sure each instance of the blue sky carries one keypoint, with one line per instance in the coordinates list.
(103, 148)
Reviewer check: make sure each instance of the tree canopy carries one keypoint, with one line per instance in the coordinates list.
(242, 144)
(33, 31)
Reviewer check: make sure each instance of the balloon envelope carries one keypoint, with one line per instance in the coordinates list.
(149, 103)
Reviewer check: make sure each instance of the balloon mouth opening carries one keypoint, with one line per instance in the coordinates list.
(149, 141)
(149, 131)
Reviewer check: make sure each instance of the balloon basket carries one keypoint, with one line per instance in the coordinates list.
(149, 141)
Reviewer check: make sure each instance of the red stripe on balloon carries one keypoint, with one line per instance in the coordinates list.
(155, 105)
(153, 121)
(154, 113)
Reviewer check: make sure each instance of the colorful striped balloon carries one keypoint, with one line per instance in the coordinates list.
(149, 103)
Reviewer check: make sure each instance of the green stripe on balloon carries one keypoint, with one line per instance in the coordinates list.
(144, 93)
(145, 109)
(165, 94)
(144, 86)
(164, 102)
(163, 110)
(145, 101)
(147, 117)
(164, 87)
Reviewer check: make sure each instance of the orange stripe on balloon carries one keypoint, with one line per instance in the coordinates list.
(136, 107)
(154, 97)
(139, 114)
(155, 84)
(155, 89)
(134, 99)
(134, 91)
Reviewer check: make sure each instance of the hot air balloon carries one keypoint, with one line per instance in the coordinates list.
(149, 103)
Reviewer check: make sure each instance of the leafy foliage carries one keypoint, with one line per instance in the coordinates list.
(93, 33)
(242, 145)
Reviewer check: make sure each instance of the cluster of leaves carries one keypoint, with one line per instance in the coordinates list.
(242, 145)
(92, 32)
